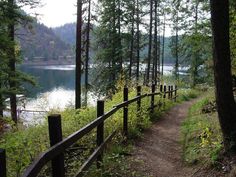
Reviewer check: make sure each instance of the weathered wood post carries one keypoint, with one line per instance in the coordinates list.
(161, 88)
(100, 130)
(139, 100)
(153, 97)
(161, 96)
(164, 96)
(168, 91)
(175, 93)
(125, 111)
(3, 166)
(55, 136)
(171, 95)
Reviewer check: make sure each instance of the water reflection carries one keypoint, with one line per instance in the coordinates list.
(57, 84)
(55, 90)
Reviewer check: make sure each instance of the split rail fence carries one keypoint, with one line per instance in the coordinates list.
(55, 153)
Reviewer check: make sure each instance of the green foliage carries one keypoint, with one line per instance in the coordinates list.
(24, 144)
(233, 36)
(202, 140)
(194, 45)
(11, 16)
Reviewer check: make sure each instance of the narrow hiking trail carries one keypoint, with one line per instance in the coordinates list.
(159, 151)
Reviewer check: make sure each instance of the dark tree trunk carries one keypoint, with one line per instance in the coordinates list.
(150, 43)
(158, 65)
(114, 52)
(155, 50)
(195, 54)
(1, 102)
(120, 38)
(177, 46)
(163, 46)
(12, 62)
(132, 44)
(87, 53)
(78, 56)
(226, 106)
(138, 41)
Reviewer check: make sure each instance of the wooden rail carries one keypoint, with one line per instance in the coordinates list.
(55, 153)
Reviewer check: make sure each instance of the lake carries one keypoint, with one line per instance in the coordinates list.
(55, 90)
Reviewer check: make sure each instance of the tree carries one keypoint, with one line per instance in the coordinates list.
(12, 60)
(78, 55)
(175, 38)
(156, 45)
(138, 39)
(109, 45)
(233, 34)
(226, 105)
(87, 50)
(195, 43)
(163, 44)
(11, 79)
(150, 42)
(131, 7)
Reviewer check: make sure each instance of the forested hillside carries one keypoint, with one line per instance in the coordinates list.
(41, 43)
(67, 33)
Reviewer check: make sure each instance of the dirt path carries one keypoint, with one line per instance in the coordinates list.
(159, 151)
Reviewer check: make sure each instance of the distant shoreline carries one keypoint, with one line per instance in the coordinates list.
(59, 63)
(47, 63)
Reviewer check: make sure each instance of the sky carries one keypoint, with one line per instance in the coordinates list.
(55, 13)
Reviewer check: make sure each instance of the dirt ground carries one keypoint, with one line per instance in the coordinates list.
(159, 150)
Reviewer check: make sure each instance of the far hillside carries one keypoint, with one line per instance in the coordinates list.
(41, 44)
(67, 33)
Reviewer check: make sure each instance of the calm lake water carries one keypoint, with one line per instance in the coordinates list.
(55, 90)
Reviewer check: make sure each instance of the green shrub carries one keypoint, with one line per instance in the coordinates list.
(202, 140)
(23, 145)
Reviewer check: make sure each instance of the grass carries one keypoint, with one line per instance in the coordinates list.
(201, 135)
(23, 145)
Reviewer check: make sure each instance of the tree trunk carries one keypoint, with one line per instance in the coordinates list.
(87, 53)
(138, 41)
(1, 102)
(78, 55)
(120, 38)
(177, 46)
(132, 45)
(12, 62)
(163, 46)
(195, 54)
(150, 43)
(226, 106)
(155, 57)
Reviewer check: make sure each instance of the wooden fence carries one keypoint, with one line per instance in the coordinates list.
(55, 153)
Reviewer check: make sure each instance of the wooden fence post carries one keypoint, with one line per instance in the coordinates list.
(125, 111)
(153, 98)
(161, 88)
(3, 166)
(139, 100)
(55, 136)
(171, 95)
(100, 130)
(168, 91)
(161, 96)
(164, 96)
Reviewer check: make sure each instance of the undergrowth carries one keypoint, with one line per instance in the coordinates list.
(23, 145)
(202, 139)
